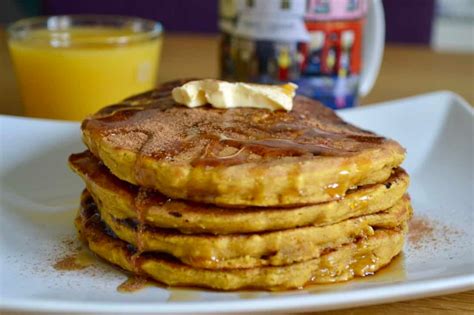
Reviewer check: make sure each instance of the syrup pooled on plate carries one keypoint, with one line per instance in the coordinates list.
(77, 261)
(133, 284)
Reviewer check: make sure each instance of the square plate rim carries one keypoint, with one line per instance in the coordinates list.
(384, 292)
(412, 290)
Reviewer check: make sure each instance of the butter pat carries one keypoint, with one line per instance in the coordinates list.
(222, 94)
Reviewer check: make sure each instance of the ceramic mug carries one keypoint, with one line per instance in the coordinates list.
(331, 48)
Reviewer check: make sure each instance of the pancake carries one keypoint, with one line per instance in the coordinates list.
(252, 250)
(125, 201)
(238, 157)
(360, 258)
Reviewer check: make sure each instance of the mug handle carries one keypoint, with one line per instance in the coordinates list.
(374, 40)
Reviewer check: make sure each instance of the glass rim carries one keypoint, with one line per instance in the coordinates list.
(143, 29)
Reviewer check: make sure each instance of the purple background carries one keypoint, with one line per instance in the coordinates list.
(175, 15)
(407, 21)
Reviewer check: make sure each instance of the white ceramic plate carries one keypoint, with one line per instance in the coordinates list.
(39, 196)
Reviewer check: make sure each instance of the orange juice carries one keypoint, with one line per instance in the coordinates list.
(71, 74)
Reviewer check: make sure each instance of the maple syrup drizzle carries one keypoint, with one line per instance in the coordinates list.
(393, 272)
(134, 283)
(263, 148)
(273, 134)
(183, 295)
(360, 203)
(338, 188)
(141, 207)
(76, 261)
(117, 109)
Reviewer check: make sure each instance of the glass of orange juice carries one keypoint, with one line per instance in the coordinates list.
(70, 66)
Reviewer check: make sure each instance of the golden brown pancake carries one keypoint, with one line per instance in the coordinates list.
(238, 157)
(359, 258)
(254, 250)
(125, 201)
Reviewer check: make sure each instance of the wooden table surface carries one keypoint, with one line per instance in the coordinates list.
(406, 71)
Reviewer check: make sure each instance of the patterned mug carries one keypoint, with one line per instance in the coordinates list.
(331, 48)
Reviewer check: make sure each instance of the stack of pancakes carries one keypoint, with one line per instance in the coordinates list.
(240, 198)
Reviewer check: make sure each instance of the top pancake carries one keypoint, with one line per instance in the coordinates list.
(237, 157)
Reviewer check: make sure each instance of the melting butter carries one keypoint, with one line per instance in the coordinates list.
(222, 94)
